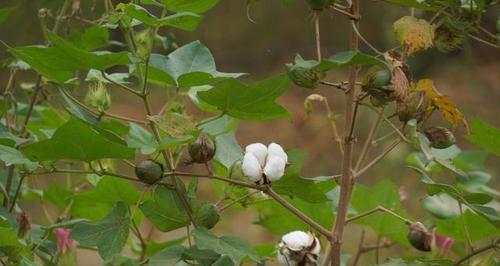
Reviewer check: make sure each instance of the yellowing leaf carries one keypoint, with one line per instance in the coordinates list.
(442, 102)
(413, 34)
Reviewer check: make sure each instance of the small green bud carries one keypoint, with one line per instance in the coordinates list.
(236, 172)
(149, 171)
(419, 237)
(207, 216)
(202, 150)
(304, 73)
(440, 137)
(98, 97)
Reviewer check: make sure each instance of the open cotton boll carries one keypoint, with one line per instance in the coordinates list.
(277, 150)
(275, 168)
(251, 167)
(296, 240)
(259, 150)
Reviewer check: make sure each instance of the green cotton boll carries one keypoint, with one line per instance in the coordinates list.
(305, 77)
(207, 216)
(98, 96)
(375, 83)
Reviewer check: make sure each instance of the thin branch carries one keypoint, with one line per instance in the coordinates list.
(125, 87)
(377, 159)
(317, 34)
(495, 245)
(355, 28)
(394, 127)
(16, 194)
(368, 142)
(339, 85)
(210, 119)
(221, 209)
(227, 180)
(344, 11)
(378, 209)
(484, 41)
(359, 252)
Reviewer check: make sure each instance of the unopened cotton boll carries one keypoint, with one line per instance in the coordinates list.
(275, 168)
(276, 150)
(251, 167)
(259, 150)
(298, 248)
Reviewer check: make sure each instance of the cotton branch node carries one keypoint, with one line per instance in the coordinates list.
(298, 248)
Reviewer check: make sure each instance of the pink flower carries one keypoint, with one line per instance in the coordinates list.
(64, 242)
(443, 242)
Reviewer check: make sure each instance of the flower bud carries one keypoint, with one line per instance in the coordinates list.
(66, 247)
(236, 171)
(419, 237)
(23, 224)
(149, 171)
(298, 248)
(207, 216)
(375, 83)
(302, 73)
(98, 97)
(440, 137)
(202, 150)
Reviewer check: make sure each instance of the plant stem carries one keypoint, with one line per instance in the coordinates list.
(359, 252)
(347, 180)
(369, 139)
(378, 209)
(495, 245)
(377, 159)
(317, 34)
(16, 195)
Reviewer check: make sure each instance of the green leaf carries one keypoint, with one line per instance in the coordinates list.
(485, 136)
(384, 193)
(478, 227)
(349, 58)
(167, 257)
(11, 156)
(112, 190)
(92, 38)
(228, 150)
(186, 20)
(57, 195)
(249, 102)
(139, 138)
(154, 247)
(232, 247)
(166, 211)
(6, 12)
(76, 140)
(293, 184)
(279, 220)
(442, 206)
(77, 110)
(59, 62)
(109, 235)
(189, 65)
(8, 237)
(195, 6)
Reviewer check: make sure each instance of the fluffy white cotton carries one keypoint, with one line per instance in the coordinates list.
(251, 167)
(296, 240)
(276, 150)
(259, 150)
(317, 249)
(275, 167)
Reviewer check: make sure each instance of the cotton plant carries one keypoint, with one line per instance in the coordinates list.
(298, 248)
(263, 164)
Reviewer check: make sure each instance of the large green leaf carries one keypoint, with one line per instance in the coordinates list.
(279, 220)
(166, 211)
(167, 257)
(441, 206)
(76, 140)
(11, 156)
(249, 102)
(349, 58)
(92, 38)
(233, 247)
(112, 190)
(196, 6)
(58, 63)
(384, 193)
(140, 138)
(477, 227)
(189, 65)
(293, 184)
(109, 235)
(485, 136)
(186, 20)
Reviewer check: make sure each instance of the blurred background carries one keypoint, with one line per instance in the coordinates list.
(260, 46)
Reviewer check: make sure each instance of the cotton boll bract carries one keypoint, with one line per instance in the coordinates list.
(251, 167)
(276, 150)
(259, 150)
(298, 248)
(275, 168)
